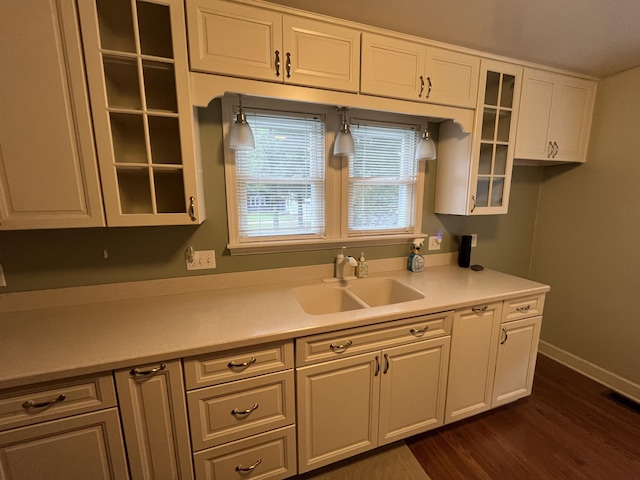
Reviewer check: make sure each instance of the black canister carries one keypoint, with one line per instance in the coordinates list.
(464, 255)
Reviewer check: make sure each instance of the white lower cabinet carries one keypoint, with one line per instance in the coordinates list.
(353, 404)
(63, 430)
(474, 345)
(154, 420)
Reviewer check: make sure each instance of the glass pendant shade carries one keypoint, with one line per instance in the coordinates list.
(344, 140)
(241, 137)
(426, 148)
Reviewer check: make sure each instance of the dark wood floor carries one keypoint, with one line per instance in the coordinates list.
(569, 428)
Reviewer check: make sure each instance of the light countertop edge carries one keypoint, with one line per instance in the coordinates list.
(67, 341)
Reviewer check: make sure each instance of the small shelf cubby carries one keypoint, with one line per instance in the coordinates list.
(138, 80)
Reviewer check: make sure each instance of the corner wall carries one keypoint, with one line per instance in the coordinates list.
(587, 242)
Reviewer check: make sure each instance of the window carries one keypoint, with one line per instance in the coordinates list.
(291, 193)
(280, 184)
(383, 176)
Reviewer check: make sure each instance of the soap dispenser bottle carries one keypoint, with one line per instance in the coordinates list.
(415, 262)
(362, 270)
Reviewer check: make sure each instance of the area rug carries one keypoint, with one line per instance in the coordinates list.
(391, 462)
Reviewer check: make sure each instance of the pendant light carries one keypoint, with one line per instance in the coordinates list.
(426, 148)
(241, 137)
(344, 146)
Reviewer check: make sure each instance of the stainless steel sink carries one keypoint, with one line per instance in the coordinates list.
(354, 295)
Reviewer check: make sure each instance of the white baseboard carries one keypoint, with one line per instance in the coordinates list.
(611, 380)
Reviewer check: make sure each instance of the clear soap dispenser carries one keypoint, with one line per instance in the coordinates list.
(362, 270)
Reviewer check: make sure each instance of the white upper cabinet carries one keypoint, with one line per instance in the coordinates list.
(398, 68)
(252, 42)
(138, 74)
(48, 172)
(555, 117)
(473, 172)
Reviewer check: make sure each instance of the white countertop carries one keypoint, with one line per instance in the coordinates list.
(51, 343)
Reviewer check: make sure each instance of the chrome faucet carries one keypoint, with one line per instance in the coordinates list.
(340, 266)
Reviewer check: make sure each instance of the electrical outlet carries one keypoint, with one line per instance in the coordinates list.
(202, 260)
(434, 243)
(474, 239)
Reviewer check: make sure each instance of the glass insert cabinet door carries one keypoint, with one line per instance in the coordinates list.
(495, 134)
(136, 60)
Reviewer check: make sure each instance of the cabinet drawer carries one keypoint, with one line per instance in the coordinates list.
(239, 409)
(344, 343)
(273, 454)
(47, 401)
(522, 307)
(221, 367)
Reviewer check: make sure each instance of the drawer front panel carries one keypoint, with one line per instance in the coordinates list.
(272, 454)
(344, 343)
(47, 401)
(236, 410)
(522, 307)
(205, 370)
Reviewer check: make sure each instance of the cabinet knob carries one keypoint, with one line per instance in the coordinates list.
(429, 85)
(237, 412)
(506, 336)
(421, 86)
(192, 208)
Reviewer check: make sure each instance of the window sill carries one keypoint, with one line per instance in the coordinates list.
(324, 244)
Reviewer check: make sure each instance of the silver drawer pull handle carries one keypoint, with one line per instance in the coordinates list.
(31, 404)
(480, 309)
(147, 373)
(524, 308)
(419, 331)
(243, 364)
(249, 469)
(342, 346)
(236, 412)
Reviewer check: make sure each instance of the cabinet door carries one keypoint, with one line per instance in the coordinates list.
(138, 76)
(235, 39)
(412, 389)
(555, 117)
(516, 360)
(474, 171)
(337, 409)
(535, 115)
(474, 343)
(571, 119)
(451, 78)
(154, 419)
(494, 137)
(392, 67)
(48, 170)
(319, 54)
(87, 446)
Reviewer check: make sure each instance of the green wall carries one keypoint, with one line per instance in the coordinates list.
(588, 234)
(42, 259)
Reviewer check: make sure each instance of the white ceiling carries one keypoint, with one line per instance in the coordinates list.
(595, 37)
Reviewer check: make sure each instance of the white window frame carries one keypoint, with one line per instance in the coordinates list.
(336, 181)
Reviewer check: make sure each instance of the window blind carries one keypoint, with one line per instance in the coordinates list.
(280, 184)
(382, 179)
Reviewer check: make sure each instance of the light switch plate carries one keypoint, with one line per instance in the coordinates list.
(202, 260)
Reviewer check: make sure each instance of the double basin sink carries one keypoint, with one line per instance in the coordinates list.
(343, 296)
